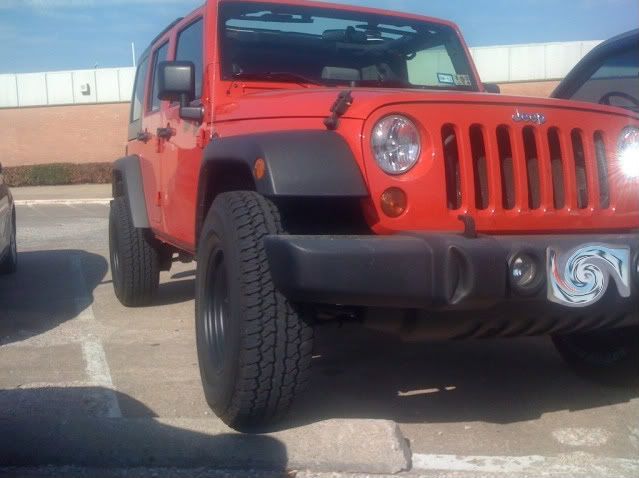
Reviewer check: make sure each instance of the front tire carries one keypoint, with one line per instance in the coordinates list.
(135, 261)
(254, 348)
(9, 264)
(610, 357)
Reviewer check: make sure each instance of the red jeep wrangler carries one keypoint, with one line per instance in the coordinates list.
(326, 161)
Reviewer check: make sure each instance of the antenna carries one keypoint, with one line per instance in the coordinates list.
(133, 53)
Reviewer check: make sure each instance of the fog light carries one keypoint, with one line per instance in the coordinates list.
(393, 202)
(524, 271)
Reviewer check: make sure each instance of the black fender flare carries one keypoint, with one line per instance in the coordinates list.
(298, 163)
(305, 163)
(127, 182)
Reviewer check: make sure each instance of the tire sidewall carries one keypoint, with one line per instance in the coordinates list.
(9, 263)
(219, 384)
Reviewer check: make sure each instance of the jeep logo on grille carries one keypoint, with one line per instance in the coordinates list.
(537, 118)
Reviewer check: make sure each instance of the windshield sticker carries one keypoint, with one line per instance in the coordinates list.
(462, 80)
(445, 78)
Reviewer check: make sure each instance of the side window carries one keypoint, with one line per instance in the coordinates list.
(138, 90)
(189, 48)
(619, 72)
(160, 55)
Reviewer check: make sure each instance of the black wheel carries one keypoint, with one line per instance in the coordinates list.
(9, 264)
(610, 357)
(254, 348)
(135, 261)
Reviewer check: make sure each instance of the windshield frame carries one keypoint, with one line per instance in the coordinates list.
(344, 12)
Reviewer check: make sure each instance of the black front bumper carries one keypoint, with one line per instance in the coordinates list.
(425, 271)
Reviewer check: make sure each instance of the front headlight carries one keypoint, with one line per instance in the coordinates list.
(396, 144)
(628, 152)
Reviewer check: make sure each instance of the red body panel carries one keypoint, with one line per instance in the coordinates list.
(171, 168)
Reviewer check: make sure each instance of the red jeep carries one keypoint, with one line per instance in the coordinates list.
(326, 161)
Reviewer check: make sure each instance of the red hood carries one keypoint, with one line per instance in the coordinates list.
(316, 103)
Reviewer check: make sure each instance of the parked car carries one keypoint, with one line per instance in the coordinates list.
(608, 75)
(325, 162)
(8, 248)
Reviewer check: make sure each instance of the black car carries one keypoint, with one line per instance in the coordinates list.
(608, 75)
(8, 249)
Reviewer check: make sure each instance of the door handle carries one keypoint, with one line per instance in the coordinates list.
(144, 136)
(166, 133)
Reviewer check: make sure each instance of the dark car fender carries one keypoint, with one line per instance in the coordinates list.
(127, 182)
(298, 163)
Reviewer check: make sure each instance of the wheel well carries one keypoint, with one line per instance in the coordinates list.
(322, 215)
(215, 179)
(313, 215)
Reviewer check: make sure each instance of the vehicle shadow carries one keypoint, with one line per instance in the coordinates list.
(63, 426)
(49, 288)
(364, 374)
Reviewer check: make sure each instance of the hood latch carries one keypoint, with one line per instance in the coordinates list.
(339, 109)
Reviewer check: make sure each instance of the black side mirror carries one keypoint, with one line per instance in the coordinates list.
(176, 82)
(492, 88)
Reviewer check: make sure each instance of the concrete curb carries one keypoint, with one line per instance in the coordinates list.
(333, 445)
(61, 202)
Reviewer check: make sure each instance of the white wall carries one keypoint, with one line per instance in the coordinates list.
(533, 62)
(106, 85)
(496, 64)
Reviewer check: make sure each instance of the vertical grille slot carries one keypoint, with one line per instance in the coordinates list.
(506, 166)
(480, 166)
(580, 169)
(602, 169)
(557, 166)
(532, 167)
(451, 162)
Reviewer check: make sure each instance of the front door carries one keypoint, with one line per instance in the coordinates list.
(182, 154)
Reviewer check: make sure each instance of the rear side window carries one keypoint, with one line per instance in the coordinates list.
(189, 48)
(138, 90)
(160, 55)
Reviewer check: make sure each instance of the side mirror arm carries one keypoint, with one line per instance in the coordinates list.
(188, 112)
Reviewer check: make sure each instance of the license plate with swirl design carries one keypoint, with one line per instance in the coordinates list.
(580, 277)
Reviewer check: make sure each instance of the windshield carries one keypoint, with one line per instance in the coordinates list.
(331, 47)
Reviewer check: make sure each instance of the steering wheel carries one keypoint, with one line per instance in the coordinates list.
(605, 99)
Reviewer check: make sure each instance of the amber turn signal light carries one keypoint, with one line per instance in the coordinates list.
(393, 202)
(259, 168)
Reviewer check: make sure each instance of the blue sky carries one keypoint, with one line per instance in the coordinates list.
(46, 35)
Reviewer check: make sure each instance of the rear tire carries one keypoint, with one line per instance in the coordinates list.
(9, 264)
(254, 348)
(610, 357)
(135, 261)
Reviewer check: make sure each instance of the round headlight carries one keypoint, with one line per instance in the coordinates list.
(628, 152)
(396, 144)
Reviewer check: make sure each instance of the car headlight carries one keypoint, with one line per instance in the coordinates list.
(396, 144)
(628, 152)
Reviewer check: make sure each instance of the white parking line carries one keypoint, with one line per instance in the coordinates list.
(535, 465)
(97, 367)
(63, 202)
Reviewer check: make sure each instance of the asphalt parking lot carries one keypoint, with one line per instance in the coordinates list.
(75, 364)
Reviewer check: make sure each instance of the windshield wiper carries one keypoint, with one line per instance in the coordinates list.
(284, 76)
